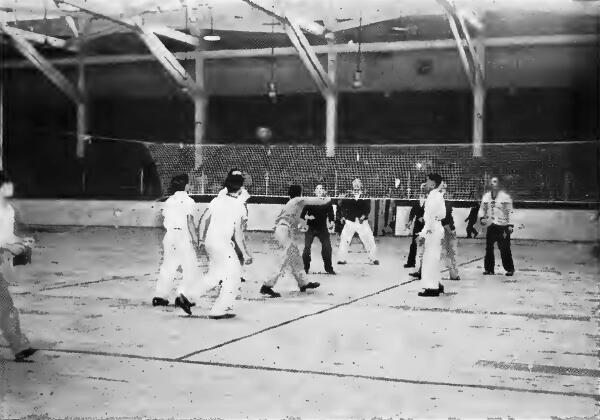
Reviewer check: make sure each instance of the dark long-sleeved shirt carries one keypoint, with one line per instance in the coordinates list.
(352, 209)
(448, 220)
(321, 213)
(416, 212)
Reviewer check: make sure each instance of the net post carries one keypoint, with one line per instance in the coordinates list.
(331, 99)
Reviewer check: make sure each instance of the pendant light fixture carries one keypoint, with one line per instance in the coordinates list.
(357, 80)
(212, 36)
(271, 85)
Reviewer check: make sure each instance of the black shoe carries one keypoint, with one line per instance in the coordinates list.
(416, 274)
(24, 354)
(376, 262)
(159, 302)
(330, 271)
(182, 302)
(341, 262)
(409, 266)
(440, 288)
(488, 273)
(469, 237)
(310, 285)
(266, 290)
(455, 278)
(243, 280)
(510, 273)
(430, 293)
(224, 316)
(306, 269)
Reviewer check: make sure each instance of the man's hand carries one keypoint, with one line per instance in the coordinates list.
(510, 229)
(362, 219)
(483, 221)
(309, 217)
(421, 220)
(408, 225)
(343, 220)
(421, 240)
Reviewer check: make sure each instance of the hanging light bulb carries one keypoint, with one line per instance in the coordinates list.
(357, 79)
(271, 85)
(212, 36)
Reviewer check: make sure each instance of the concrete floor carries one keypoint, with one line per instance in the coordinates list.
(363, 345)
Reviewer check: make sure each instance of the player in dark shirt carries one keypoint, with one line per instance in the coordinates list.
(319, 220)
(416, 218)
(472, 219)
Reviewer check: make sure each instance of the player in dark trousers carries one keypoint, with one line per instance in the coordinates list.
(319, 219)
(496, 210)
(416, 218)
(471, 220)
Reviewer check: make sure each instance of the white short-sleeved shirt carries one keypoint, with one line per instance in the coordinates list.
(498, 209)
(7, 225)
(225, 212)
(176, 210)
(243, 197)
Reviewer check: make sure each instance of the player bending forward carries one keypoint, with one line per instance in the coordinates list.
(223, 220)
(286, 227)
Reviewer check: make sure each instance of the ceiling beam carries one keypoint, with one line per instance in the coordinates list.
(45, 66)
(309, 58)
(374, 47)
(39, 38)
(311, 27)
(174, 34)
(170, 63)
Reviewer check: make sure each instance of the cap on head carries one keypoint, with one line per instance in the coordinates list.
(295, 191)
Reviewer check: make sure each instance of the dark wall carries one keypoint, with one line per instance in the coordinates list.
(40, 140)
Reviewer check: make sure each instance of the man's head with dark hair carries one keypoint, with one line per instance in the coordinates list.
(295, 191)
(179, 183)
(433, 181)
(234, 181)
(4, 178)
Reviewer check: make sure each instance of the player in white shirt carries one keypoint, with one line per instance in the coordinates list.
(223, 219)
(496, 211)
(433, 232)
(179, 240)
(10, 246)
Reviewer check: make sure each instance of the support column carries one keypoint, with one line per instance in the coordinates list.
(200, 105)
(1, 123)
(331, 99)
(82, 103)
(479, 95)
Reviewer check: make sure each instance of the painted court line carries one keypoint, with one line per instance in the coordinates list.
(322, 311)
(332, 374)
(559, 317)
(85, 283)
(553, 370)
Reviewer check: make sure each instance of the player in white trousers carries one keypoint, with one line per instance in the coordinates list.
(286, 232)
(433, 232)
(354, 215)
(10, 246)
(178, 242)
(224, 219)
